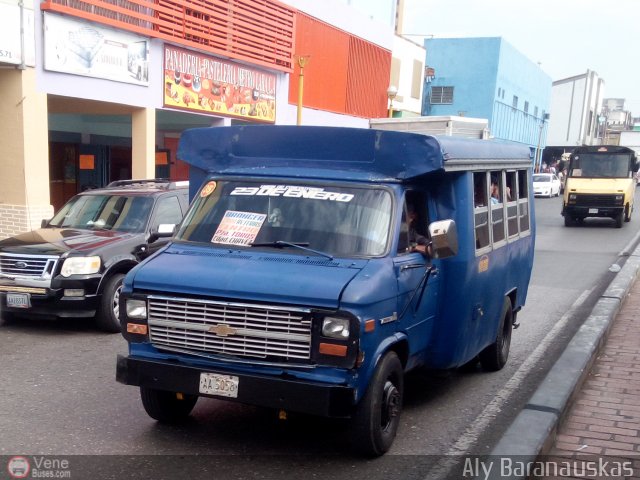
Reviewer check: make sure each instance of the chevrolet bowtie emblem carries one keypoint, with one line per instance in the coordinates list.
(223, 330)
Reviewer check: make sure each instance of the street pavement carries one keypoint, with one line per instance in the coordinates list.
(584, 419)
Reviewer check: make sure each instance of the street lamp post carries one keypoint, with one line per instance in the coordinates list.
(392, 91)
(537, 164)
(303, 61)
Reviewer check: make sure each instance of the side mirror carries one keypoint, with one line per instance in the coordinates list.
(164, 230)
(635, 165)
(444, 238)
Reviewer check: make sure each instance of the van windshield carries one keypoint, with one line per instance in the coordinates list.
(337, 220)
(601, 165)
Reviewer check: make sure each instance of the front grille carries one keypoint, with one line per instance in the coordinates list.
(242, 330)
(595, 200)
(35, 266)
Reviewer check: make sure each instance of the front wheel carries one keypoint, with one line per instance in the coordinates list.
(375, 422)
(495, 356)
(167, 407)
(619, 219)
(627, 213)
(109, 308)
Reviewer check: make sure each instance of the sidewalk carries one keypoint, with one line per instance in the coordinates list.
(588, 406)
(604, 418)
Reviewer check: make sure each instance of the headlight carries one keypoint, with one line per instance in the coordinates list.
(80, 266)
(619, 198)
(335, 327)
(136, 308)
(572, 196)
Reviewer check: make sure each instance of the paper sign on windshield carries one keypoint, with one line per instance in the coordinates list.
(238, 228)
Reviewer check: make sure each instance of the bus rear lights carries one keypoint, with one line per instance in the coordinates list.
(332, 349)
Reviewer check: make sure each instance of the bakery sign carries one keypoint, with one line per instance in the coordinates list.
(211, 85)
(83, 48)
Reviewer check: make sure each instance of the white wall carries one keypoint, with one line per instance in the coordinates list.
(347, 18)
(407, 51)
(566, 114)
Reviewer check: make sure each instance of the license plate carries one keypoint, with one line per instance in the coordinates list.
(18, 300)
(222, 385)
(593, 210)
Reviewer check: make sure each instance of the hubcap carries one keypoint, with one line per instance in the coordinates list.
(390, 404)
(116, 301)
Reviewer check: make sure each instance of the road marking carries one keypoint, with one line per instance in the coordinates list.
(493, 409)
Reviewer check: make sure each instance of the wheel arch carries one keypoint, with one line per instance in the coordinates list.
(122, 266)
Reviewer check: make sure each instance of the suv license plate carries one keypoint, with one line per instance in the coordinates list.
(593, 210)
(222, 385)
(18, 300)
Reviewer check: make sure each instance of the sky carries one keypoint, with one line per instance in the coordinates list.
(566, 37)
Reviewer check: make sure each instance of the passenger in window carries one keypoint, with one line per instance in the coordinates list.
(495, 193)
(417, 241)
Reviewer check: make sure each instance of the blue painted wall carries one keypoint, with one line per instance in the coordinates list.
(486, 74)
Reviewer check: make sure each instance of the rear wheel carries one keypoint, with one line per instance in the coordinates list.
(375, 422)
(495, 356)
(109, 309)
(167, 407)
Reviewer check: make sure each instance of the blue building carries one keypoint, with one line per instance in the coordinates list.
(488, 78)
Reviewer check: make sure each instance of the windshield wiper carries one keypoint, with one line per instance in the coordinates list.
(300, 245)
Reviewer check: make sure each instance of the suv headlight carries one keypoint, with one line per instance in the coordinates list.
(80, 266)
(334, 327)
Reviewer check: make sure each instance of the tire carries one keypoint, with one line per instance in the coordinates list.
(619, 219)
(495, 356)
(569, 221)
(166, 407)
(627, 213)
(6, 318)
(108, 310)
(375, 422)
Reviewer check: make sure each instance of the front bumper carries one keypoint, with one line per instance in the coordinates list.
(585, 211)
(49, 300)
(260, 390)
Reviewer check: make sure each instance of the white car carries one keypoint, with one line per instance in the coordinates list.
(546, 185)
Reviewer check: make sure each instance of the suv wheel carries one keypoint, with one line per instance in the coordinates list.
(108, 318)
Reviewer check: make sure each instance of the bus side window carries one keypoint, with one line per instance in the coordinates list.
(481, 210)
(497, 207)
(512, 206)
(523, 200)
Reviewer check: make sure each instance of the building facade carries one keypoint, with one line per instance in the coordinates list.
(488, 78)
(102, 90)
(575, 110)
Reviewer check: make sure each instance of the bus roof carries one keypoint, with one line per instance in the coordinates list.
(338, 153)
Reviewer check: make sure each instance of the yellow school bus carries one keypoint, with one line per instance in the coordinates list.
(600, 183)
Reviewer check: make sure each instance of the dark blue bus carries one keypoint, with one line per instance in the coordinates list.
(316, 266)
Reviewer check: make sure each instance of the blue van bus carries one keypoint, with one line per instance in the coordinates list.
(317, 265)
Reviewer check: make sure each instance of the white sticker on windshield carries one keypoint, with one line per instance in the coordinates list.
(238, 228)
(293, 191)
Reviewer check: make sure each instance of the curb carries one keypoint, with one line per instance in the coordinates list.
(533, 431)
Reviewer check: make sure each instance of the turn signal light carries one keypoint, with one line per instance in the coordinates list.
(332, 349)
(137, 328)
